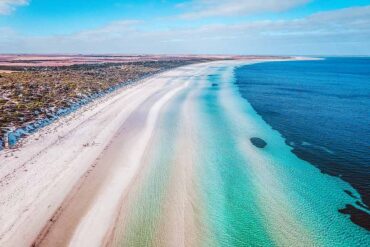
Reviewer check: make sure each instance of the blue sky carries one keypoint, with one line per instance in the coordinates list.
(306, 27)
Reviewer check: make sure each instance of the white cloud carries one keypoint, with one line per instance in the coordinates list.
(211, 8)
(113, 29)
(8, 6)
(345, 31)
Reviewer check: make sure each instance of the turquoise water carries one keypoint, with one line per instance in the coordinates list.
(232, 213)
(321, 107)
(145, 201)
(263, 197)
(205, 184)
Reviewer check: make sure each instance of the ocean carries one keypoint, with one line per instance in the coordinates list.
(322, 109)
(224, 167)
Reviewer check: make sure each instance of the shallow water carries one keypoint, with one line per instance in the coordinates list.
(205, 184)
(322, 109)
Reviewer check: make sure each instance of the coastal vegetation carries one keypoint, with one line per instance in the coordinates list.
(34, 93)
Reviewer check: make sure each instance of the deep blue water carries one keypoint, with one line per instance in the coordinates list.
(322, 108)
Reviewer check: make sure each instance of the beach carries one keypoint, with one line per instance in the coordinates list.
(54, 162)
(169, 161)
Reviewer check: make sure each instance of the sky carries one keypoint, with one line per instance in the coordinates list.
(260, 27)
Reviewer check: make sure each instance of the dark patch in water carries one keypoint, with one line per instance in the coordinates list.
(340, 169)
(360, 204)
(214, 84)
(321, 102)
(350, 194)
(357, 216)
(258, 142)
(213, 77)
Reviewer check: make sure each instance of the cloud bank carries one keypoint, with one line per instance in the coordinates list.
(217, 8)
(340, 32)
(8, 6)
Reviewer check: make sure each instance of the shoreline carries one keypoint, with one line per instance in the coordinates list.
(26, 122)
(78, 133)
(76, 198)
(322, 157)
(11, 133)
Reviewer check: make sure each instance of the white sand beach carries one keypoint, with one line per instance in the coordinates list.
(167, 161)
(87, 159)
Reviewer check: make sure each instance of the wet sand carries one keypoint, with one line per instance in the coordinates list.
(65, 175)
(167, 162)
